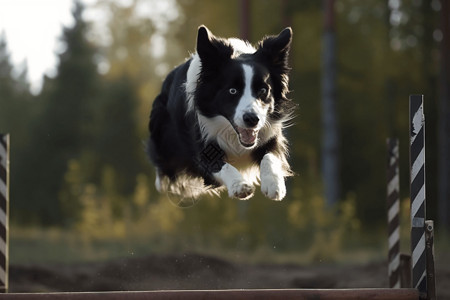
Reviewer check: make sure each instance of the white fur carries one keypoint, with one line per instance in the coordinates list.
(191, 80)
(272, 179)
(186, 186)
(241, 47)
(219, 129)
(236, 185)
(248, 103)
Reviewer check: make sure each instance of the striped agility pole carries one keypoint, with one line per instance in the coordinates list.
(4, 210)
(393, 206)
(418, 205)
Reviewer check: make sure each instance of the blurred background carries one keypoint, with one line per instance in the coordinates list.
(77, 81)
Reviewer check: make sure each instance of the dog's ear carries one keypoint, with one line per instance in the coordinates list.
(275, 49)
(211, 48)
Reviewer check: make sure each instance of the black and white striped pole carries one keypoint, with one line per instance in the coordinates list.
(417, 180)
(4, 211)
(393, 207)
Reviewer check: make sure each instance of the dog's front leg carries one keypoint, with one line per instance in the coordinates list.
(236, 185)
(272, 177)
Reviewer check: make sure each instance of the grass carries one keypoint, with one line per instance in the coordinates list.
(54, 245)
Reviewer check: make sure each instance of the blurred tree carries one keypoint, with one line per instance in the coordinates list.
(118, 143)
(7, 88)
(444, 118)
(330, 130)
(16, 110)
(62, 131)
(14, 95)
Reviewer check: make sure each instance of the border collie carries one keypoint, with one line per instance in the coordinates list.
(218, 120)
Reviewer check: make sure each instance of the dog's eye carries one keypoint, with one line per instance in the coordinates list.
(262, 92)
(232, 91)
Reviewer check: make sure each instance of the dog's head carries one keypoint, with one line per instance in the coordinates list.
(244, 85)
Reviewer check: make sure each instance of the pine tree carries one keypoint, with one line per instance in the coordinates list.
(63, 129)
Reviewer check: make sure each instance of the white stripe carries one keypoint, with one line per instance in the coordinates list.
(3, 188)
(394, 264)
(2, 276)
(417, 202)
(421, 278)
(3, 247)
(418, 163)
(394, 210)
(417, 252)
(393, 185)
(417, 122)
(394, 237)
(3, 218)
(394, 155)
(397, 284)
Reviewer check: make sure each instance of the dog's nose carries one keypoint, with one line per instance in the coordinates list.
(250, 119)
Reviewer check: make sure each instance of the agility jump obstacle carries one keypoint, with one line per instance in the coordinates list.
(4, 211)
(403, 270)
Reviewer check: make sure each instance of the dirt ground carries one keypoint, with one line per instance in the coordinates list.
(194, 271)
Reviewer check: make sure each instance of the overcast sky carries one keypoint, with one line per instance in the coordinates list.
(32, 29)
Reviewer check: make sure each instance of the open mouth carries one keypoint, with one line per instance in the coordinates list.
(247, 137)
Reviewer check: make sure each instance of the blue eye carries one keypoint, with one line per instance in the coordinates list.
(232, 91)
(263, 91)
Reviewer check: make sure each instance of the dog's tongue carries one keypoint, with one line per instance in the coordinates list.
(247, 136)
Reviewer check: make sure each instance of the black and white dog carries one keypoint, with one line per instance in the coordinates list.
(219, 119)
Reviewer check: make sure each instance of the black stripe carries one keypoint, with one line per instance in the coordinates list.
(393, 278)
(394, 251)
(422, 287)
(417, 146)
(421, 211)
(2, 203)
(392, 198)
(392, 171)
(419, 268)
(2, 173)
(416, 235)
(2, 261)
(418, 183)
(2, 232)
(393, 225)
(2, 141)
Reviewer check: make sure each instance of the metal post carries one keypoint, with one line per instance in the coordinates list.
(417, 180)
(393, 206)
(4, 212)
(431, 278)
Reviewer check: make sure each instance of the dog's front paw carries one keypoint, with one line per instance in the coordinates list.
(241, 190)
(273, 187)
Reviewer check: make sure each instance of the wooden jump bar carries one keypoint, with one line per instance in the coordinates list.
(256, 294)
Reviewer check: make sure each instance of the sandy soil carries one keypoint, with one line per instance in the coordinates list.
(193, 271)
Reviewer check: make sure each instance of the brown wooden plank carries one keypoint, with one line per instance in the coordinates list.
(300, 294)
